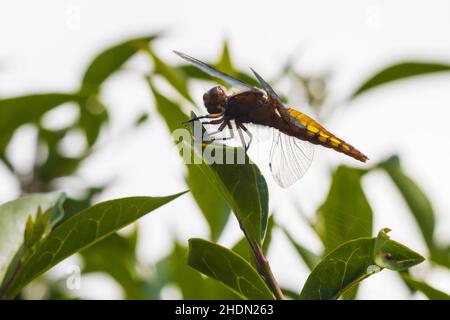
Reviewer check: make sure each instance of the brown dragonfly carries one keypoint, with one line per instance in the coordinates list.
(295, 135)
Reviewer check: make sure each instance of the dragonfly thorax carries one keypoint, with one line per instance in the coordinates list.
(215, 100)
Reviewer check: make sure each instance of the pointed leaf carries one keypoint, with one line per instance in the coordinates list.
(171, 74)
(354, 261)
(13, 218)
(426, 289)
(229, 268)
(225, 64)
(36, 228)
(395, 256)
(343, 267)
(169, 110)
(400, 71)
(109, 61)
(80, 231)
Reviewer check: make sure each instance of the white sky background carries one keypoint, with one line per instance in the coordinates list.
(46, 45)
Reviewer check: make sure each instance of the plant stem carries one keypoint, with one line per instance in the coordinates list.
(263, 265)
(264, 268)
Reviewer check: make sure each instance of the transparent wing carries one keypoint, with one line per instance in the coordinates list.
(268, 89)
(284, 111)
(216, 73)
(290, 158)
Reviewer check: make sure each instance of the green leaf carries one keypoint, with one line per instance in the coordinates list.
(243, 249)
(225, 64)
(93, 115)
(17, 111)
(13, 219)
(441, 255)
(55, 164)
(211, 203)
(171, 74)
(174, 270)
(346, 213)
(229, 268)
(74, 205)
(354, 261)
(395, 256)
(169, 110)
(36, 228)
(400, 71)
(418, 203)
(426, 289)
(80, 231)
(109, 61)
(339, 270)
(240, 182)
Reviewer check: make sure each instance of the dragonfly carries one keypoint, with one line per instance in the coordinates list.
(295, 132)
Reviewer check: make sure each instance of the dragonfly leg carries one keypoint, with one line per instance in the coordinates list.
(249, 134)
(209, 116)
(241, 136)
(224, 138)
(230, 128)
(206, 136)
(218, 121)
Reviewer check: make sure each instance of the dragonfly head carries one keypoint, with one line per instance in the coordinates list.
(215, 100)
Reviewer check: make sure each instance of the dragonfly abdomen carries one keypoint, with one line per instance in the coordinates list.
(326, 139)
(315, 133)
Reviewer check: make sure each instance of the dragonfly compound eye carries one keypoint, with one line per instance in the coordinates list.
(215, 100)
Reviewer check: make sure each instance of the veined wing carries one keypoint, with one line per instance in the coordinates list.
(290, 158)
(238, 84)
(268, 89)
(284, 111)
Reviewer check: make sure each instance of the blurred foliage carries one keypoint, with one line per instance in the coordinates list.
(346, 214)
(400, 71)
(40, 229)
